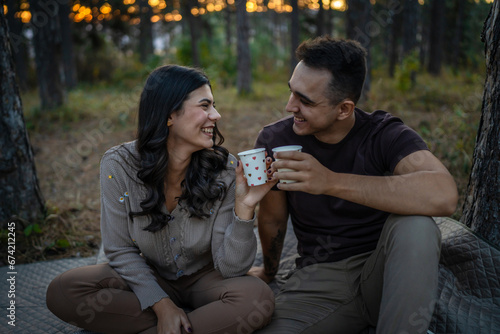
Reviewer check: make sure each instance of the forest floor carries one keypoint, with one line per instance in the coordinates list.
(69, 144)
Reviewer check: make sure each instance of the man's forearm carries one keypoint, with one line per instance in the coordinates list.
(272, 239)
(420, 193)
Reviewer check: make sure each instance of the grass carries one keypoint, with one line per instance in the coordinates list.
(69, 141)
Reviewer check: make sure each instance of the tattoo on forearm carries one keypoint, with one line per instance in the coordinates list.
(272, 260)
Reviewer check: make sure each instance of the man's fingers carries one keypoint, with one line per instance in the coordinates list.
(291, 164)
(291, 155)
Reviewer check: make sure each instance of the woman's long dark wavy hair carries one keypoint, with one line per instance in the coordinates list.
(164, 93)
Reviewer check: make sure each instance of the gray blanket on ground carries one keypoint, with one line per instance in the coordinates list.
(468, 301)
(469, 281)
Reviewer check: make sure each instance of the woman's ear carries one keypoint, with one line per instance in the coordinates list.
(170, 122)
(346, 109)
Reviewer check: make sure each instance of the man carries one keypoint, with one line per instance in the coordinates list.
(366, 189)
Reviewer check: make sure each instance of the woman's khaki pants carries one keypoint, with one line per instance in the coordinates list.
(393, 288)
(97, 298)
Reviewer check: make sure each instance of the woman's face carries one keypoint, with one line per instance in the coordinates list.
(192, 127)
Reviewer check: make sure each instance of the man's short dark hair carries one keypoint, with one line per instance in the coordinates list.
(344, 59)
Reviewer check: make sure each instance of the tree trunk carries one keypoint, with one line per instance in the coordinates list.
(244, 79)
(47, 43)
(146, 32)
(18, 44)
(329, 21)
(438, 9)
(396, 28)
(360, 27)
(457, 38)
(424, 33)
(481, 211)
(19, 190)
(229, 26)
(194, 30)
(68, 58)
(294, 33)
(320, 20)
(410, 14)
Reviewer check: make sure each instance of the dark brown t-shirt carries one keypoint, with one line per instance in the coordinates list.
(328, 228)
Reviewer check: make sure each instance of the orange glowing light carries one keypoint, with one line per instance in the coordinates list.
(106, 8)
(25, 16)
(339, 5)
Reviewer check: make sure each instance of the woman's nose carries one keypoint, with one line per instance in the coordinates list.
(214, 115)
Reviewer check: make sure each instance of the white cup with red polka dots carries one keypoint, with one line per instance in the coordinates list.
(285, 149)
(254, 166)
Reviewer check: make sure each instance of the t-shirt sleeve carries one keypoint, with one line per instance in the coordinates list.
(263, 142)
(396, 141)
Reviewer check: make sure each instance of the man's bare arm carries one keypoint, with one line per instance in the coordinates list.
(421, 185)
(272, 224)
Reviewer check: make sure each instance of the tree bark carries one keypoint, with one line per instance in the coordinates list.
(19, 189)
(18, 43)
(244, 77)
(294, 34)
(68, 58)
(481, 211)
(438, 8)
(47, 44)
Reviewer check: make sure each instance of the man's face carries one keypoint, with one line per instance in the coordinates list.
(311, 108)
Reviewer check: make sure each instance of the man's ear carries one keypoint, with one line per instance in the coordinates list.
(346, 109)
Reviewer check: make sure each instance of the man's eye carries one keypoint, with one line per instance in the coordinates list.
(305, 102)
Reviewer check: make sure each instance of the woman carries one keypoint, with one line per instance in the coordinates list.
(177, 226)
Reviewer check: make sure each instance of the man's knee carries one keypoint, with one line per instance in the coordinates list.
(417, 232)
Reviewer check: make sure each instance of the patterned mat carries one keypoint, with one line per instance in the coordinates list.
(31, 281)
(469, 291)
